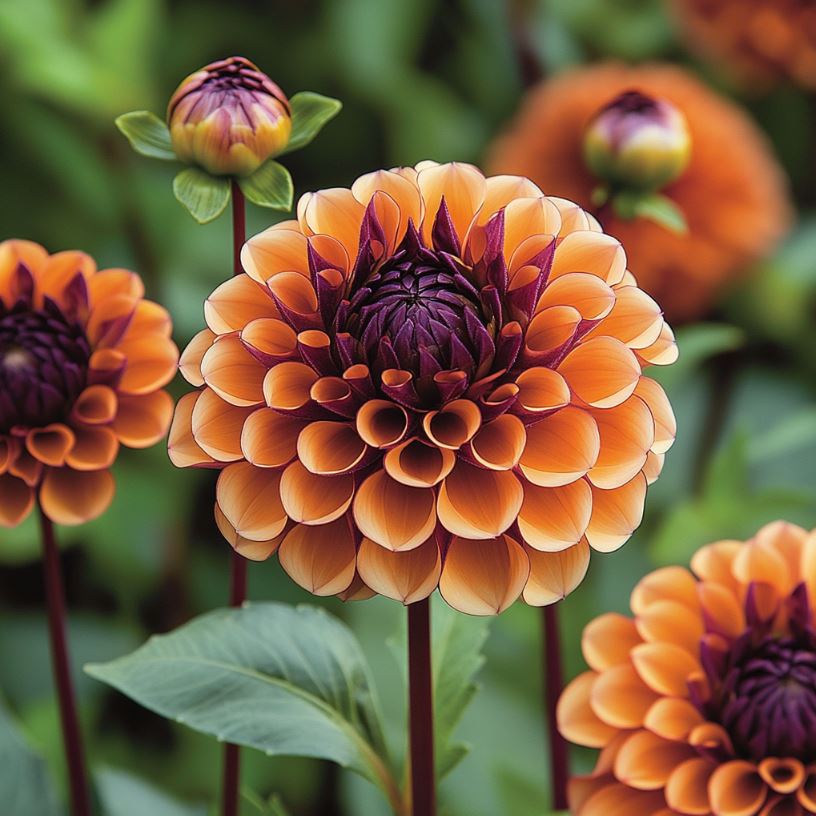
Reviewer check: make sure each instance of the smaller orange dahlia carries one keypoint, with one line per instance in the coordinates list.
(760, 41)
(82, 360)
(732, 192)
(705, 702)
(429, 379)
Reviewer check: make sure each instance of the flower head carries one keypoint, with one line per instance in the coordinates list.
(705, 702)
(431, 378)
(761, 42)
(229, 118)
(82, 360)
(732, 192)
(637, 142)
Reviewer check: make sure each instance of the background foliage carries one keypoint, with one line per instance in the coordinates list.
(421, 79)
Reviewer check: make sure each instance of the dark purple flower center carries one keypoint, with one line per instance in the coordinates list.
(43, 366)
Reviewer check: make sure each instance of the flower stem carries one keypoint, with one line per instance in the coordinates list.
(72, 739)
(553, 685)
(238, 564)
(423, 773)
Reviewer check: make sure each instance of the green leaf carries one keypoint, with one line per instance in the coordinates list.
(204, 196)
(310, 112)
(287, 681)
(25, 787)
(147, 134)
(264, 807)
(269, 186)
(122, 794)
(652, 206)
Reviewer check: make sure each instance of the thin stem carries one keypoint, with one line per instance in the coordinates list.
(553, 685)
(423, 774)
(71, 736)
(238, 564)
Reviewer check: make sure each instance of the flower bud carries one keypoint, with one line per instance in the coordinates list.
(638, 143)
(229, 118)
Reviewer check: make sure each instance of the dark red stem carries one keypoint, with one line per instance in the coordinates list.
(423, 773)
(553, 685)
(71, 736)
(238, 564)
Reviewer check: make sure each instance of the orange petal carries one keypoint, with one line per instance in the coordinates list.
(665, 584)
(51, 444)
(627, 434)
(808, 568)
(646, 761)
(94, 449)
(269, 439)
(620, 800)
(463, 188)
(454, 425)
(608, 639)
(665, 424)
(27, 468)
(320, 558)
(687, 788)
(485, 576)
(275, 250)
(723, 612)
(573, 218)
(96, 405)
(249, 498)
(312, 499)
(553, 575)
(673, 718)
(396, 516)
(526, 217)
(182, 448)
(330, 448)
(143, 420)
(636, 320)
(577, 722)
(592, 252)
(384, 185)
(17, 501)
(670, 622)
(233, 373)
(217, 426)
(60, 269)
(253, 550)
(736, 789)
(586, 293)
(498, 445)
(110, 282)
(807, 793)
(560, 448)
(334, 212)
(542, 389)
(782, 775)
(554, 518)
(760, 562)
(551, 328)
(407, 576)
(417, 464)
(271, 337)
(296, 292)
(665, 667)
(72, 497)
(476, 503)
(654, 466)
(237, 302)
(151, 364)
(620, 698)
(616, 514)
(287, 386)
(663, 351)
(501, 190)
(601, 371)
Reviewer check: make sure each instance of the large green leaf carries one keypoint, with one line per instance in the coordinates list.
(204, 196)
(310, 112)
(269, 186)
(287, 681)
(123, 794)
(147, 134)
(25, 787)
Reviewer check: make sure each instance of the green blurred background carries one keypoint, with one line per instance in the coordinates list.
(421, 79)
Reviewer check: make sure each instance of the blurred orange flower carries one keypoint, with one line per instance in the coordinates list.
(82, 359)
(732, 193)
(705, 702)
(431, 379)
(761, 42)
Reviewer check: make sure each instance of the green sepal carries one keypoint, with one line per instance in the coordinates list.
(147, 134)
(653, 207)
(310, 112)
(204, 196)
(269, 186)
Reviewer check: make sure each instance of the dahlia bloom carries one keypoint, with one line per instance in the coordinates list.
(732, 193)
(429, 379)
(229, 117)
(761, 42)
(705, 702)
(82, 360)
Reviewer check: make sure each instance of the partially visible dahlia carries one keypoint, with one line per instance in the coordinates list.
(705, 702)
(429, 379)
(759, 41)
(82, 360)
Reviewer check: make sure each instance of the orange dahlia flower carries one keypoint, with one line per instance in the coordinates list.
(429, 379)
(705, 702)
(82, 359)
(732, 192)
(761, 41)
